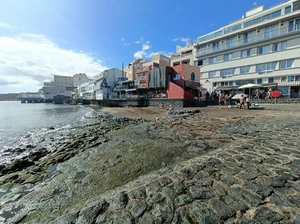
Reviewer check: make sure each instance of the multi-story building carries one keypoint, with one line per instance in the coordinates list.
(158, 60)
(62, 85)
(183, 55)
(101, 87)
(263, 47)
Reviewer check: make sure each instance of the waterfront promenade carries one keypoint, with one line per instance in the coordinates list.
(252, 175)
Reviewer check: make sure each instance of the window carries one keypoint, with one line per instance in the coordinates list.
(275, 47)
(269, 32)
(267, 67)
(201, 75)
(215, 46)
(193, 76)
(287, 9)
(227, 72)
(176, 76)
(294, 25)
(247, 38)
(245, 53)
(286, 64)
(230, 83)
(297, 78)
(245, 69)
(229, 42)
(259, 81)
(212, 60)
(228, 57)
(283, 45)
(212, 74)
(291, 78)
(271, 80)
(263, 49)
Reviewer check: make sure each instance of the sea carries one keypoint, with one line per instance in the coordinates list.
(20, 120)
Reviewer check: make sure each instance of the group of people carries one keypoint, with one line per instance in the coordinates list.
(224, 98)
(264, 95)
(242, 101)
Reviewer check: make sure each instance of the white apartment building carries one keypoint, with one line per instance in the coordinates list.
(62, 85)
(262, 47)
(101, 87)
(183, 55)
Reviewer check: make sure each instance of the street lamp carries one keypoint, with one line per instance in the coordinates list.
(207, 81)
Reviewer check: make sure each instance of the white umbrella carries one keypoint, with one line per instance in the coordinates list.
(238, 96)
(250, 85)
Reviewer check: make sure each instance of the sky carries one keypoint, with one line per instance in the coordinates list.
(43, 38)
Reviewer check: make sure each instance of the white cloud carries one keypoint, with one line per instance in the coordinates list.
(146, 46)
(139, 41)
(175, 39)
(28, 60)
(5, 25)
(143, 53)
(185, 39)
(127, 44)
(122, 39)
(150, 55)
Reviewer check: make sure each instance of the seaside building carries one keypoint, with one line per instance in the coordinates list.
(62, 86)
(102, 85)
(183, 55)
(262, 48)
(158, 60)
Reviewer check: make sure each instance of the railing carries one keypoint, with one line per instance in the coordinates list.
(242, 42)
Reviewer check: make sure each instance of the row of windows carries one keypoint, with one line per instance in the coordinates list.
(260, 68)
(290, 78)
(246, 53)
(252, 36)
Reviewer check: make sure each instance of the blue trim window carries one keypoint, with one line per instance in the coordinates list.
(193, 76)
(245, 53)
(212, 60)
(283, 45)
(230, 42)
(212, 74)
(265, 68)
(245, 69)
(263, 49)
(275, 47)
(286, 64)
(227, 57)
(227, 72)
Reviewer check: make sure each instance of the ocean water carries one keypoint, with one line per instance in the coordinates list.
(18, 120)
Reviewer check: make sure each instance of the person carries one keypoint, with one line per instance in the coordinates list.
(161, 105)
(256, 94)
(226, 100)
(247, 102)
(241, 102)
(269, 94)
(220, 100)
(207, 96)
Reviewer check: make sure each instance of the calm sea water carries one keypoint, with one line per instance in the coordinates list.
(18, 119)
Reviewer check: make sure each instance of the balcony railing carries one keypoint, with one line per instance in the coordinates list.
(246, 41)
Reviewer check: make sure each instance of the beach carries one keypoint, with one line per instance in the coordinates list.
(137, 165)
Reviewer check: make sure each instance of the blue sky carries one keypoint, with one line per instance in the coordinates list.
(42, 38)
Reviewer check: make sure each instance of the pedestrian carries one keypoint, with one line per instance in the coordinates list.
(242, 99)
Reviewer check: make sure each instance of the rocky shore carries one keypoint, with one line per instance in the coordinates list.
(141, 166)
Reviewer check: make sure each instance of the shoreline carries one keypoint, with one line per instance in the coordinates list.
(132, 151)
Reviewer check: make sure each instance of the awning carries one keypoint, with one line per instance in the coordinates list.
(130, 90)
(270, 85)
(226, 87)
(201, 88)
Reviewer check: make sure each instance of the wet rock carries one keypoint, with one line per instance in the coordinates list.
(34, 156)
(267, 216)
(203, 214)
(17, 166)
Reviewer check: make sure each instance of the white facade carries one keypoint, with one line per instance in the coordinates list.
(263, 47)
(183, 55)
(106, 82)
(62, 85)
(101, 87)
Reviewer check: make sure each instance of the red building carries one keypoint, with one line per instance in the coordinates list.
(177, 82)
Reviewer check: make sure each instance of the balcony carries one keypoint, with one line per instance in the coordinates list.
(144, 69)
(243, 42)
